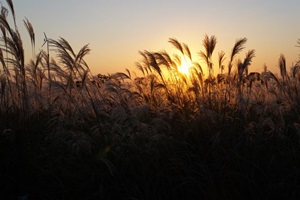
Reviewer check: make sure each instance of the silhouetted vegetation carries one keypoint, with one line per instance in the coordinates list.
(68, 134)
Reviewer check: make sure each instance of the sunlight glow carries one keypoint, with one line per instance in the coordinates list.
(186, 64)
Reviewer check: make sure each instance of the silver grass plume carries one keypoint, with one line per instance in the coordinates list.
(209, 44)
(282, 66)
(237, 48)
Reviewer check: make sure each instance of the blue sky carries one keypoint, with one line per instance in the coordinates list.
(117, 29)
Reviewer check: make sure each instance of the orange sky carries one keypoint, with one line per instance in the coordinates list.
(116, 30)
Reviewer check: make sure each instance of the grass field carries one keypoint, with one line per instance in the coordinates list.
(172, 133)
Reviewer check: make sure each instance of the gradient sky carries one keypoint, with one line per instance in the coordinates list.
(117, 29)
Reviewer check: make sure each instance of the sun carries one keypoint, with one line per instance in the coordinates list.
(185, 66)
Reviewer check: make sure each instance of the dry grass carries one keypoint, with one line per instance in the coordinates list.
(163, 135)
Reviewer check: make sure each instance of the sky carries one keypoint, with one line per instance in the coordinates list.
(116, 30)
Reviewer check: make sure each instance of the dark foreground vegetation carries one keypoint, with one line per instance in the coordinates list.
(66, 134)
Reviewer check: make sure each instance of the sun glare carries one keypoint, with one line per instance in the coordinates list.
(186, 64)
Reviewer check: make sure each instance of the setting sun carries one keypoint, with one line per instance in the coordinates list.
(186, 64)
(102, 101)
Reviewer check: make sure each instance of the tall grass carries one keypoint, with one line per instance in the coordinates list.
(157, 136)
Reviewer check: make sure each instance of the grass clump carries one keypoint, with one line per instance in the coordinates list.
(68, 134)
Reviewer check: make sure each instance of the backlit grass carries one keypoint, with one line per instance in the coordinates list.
(69, 134)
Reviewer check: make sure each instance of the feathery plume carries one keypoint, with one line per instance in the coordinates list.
(282, 66)
(237, 48)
